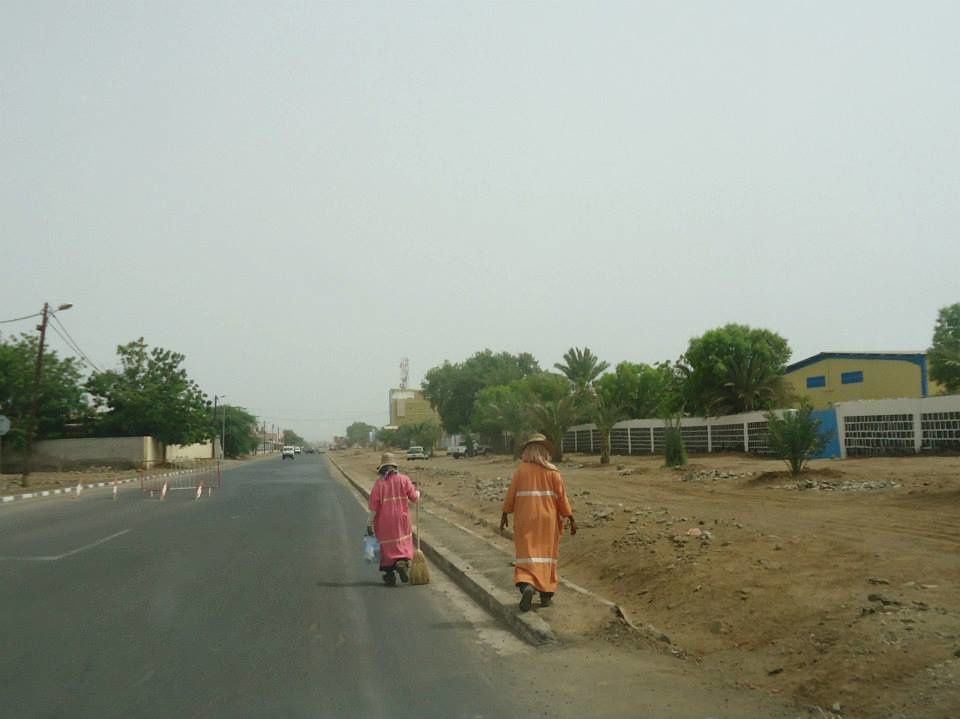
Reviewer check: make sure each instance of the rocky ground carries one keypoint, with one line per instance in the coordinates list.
(838, 591)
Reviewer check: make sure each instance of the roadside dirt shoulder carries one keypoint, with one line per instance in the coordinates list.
(839, 591)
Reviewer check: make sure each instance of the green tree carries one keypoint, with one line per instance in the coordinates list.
(734, 368)
(453, 388)
(422, 434)
(508, 409)
(293, 439)
(641, 389)
(581, 367)
(553, 418)
(150, 394)
(358, 434)
(944, 354)
(60, 402)
(796, 436)
(241, 430)
(605, 410)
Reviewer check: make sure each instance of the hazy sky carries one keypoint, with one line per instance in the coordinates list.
(295, 195)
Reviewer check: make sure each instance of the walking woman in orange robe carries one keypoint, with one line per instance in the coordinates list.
(538, 501)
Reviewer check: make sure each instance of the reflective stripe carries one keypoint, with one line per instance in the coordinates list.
(537, 493)
(535, 560)
(398, 539)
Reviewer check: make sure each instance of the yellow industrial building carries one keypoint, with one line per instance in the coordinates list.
(831, 377)
(409, 406)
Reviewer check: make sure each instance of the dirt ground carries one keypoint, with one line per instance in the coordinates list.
(840, 591)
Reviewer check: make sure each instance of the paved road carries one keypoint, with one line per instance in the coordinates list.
(253, 603)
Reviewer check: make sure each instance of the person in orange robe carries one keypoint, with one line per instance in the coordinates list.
(538, 501)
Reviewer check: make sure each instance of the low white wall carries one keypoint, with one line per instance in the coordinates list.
(181, 452)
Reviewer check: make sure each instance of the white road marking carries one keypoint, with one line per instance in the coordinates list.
(58, 557)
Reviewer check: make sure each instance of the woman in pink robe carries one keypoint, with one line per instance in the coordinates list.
(391, 519)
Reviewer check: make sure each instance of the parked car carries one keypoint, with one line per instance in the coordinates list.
(461, 450)
(287, 452)
(416, 453)
(297, 450)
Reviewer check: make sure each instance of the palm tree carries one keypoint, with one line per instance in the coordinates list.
(606, 412)
(553, 417)
(750, 386)
(581, 367)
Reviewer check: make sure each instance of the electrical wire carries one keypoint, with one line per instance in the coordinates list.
(72, 343)
(19, 319)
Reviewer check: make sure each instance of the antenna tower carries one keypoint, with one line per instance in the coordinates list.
(404, 372)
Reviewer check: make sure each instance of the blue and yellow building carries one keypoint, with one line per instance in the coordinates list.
(831, 377)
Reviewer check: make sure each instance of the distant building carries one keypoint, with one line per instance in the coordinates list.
(831, 377)
(409, 406)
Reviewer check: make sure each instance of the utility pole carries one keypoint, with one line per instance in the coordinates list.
(35, 400)
(223, 432)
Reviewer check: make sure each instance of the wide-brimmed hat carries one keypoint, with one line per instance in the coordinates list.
(538, 438)
(387, 460)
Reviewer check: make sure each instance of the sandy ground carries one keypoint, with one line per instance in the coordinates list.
(842, 592)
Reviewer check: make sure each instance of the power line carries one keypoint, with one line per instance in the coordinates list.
(20, 319)
(73, 343)
(83, 358)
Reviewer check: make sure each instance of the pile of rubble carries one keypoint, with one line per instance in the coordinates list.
(841, 486)
(712, 475)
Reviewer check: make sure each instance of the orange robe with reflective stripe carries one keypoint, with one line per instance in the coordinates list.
(538, 501)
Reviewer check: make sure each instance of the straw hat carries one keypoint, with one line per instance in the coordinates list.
(537, 438)
(387, 460)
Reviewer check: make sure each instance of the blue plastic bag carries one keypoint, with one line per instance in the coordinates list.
(371, 549)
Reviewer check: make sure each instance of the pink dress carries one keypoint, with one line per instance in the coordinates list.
(391, 521)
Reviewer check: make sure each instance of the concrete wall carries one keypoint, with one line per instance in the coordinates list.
(54, 455)
(182, 452)
(854, 429)
(899, 426)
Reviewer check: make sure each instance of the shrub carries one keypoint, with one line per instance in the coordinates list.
(795, 436)
(676, 450)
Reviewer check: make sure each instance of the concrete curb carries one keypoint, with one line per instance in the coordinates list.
(93, 485)
(499, 603)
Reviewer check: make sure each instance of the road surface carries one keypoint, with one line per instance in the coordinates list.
(253, 603)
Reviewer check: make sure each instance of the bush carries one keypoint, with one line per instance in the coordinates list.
(676, 450)
(795, 436)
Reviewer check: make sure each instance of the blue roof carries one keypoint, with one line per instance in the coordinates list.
(918, 358)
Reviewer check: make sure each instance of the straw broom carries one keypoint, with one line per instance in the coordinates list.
(419, 571)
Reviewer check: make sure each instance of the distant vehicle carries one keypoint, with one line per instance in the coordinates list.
(416, 453)
(297, 450)
(310, 450)
(461, 450)
(288, 452)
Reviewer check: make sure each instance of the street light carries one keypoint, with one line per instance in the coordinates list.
(35, 399)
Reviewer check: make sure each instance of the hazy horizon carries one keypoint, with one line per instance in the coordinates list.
(295, 196)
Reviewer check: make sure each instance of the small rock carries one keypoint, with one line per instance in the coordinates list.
(774, 671)
(835, 707)
(877, 580)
